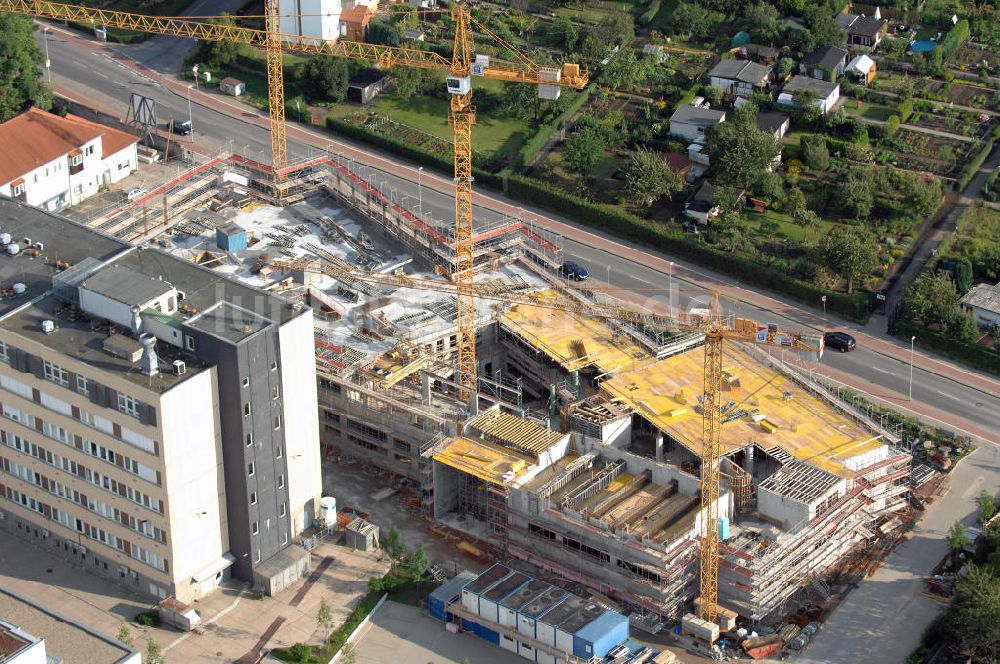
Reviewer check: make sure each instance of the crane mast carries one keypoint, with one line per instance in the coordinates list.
(275, 94)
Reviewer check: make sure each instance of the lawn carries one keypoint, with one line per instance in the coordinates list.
(595, 12)
(869, 111)
(786, 228)
(430, 115)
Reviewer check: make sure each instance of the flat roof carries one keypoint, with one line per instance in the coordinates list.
(570, 340)
(807, 428)
(503, 588)
(800, 82)
(527, 594)
(125, 272)
(488, 578)
(72, 642)
(486, 461)
(451, 588)
(695, 115)
(516, 432)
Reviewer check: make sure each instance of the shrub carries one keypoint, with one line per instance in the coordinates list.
(147, 618)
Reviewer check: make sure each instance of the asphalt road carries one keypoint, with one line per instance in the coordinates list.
(883, 374)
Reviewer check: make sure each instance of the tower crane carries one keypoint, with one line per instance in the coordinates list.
(715, 329)
(460, 69)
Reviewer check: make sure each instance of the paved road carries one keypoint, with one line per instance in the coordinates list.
(958, 397)
(883, 619)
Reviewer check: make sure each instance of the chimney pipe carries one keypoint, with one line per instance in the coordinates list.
(150, 362)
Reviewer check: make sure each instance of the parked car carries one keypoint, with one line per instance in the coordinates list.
(183, 128)
(840, 340)
(133, 193)
(575, 271)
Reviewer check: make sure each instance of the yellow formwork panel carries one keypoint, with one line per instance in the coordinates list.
(487, 462)
(572, 341)
(806, 427)
(620, 481)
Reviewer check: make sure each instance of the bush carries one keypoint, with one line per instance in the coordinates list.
(533, 146)
(978, 357)
(147, 618)
(648, 15)
(904, 110)
(677, 243)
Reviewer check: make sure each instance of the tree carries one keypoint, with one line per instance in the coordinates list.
(648, 177)
(125, 635)
(324, 618)
(154, 654)
(581, 150)
(20, 73)
(566, 32)
(323, 78)
(411, 81)
(768, 184)
(958, 539)
(300, 652)
(380, 32)
(851, 252)
(740, 151)
(931, 298)
(691, 18)
(763, 20)
(795, 200)
(824, 29)
(519, 101)
(713, 94)
(921, 193)
(974, 614)
(623, 71)
(618, 29)
(807, 219)
(783, 67)
(393, 544)
(963, 275)
(815, 153)
(806, 110)
(857, 192)
(347, 654)
(218, 53)
(419, 563)
(987, 505)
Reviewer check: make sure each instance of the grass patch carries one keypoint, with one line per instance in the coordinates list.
(780, 225)
(320, 654)
(869, 111)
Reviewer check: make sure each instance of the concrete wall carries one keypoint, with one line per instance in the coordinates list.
(192, 457)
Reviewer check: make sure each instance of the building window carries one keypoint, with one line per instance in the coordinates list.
(253, 529)
(281, 510)
(250, 469)
(277, 452)
(76, 160)
(4, 353)
(246, 382)
(189, 342)
(246, 408)
(257, 560)
(55, 373)
(281, 481)
(19, 189)
(274, 366)
(82, 385)
(128, 405)
(274, 392)
(249, 439)
(253, 497)
(89, 150)
(277, 422)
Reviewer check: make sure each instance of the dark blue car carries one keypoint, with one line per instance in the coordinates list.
(574, 271)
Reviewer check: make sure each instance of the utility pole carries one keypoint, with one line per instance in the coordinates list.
(48, 63)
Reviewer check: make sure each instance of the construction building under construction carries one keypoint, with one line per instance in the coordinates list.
(579, 454)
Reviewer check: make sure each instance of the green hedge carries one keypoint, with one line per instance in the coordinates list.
(677, 243)
(957, 36)
(973, 165)
(648, 15)
(535, 144)
(978, 357)
(904, 110)
(408, 151)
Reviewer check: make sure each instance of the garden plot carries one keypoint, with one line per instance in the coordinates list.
(952, 120)
(925, 152)
(973, 57)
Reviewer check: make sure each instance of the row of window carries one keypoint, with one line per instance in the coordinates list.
(94, 421)
(127, 404)
(96, 478)
(134, 551)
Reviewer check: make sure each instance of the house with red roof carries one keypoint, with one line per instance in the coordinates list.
(53, 162)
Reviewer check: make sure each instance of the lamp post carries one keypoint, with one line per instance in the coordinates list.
(910, 395)
(190, 117)
(48, 63)
(420, 195)
(670, 286)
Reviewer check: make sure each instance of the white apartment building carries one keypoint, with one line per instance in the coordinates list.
(53, 162)
(318, 19)
(158, 422)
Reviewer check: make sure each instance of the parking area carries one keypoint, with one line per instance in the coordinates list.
(236, 627)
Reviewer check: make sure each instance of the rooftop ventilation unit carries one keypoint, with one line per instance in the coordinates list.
(13, 249)
(180, 368)
(19, 288)
(150, 363)
(48, 326)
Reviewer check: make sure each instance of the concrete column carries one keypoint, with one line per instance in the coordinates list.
(659, 446)
(426, 391)
(749, 459)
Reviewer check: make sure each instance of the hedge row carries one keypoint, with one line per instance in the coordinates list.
(973, 165)
(978, 357)
(648, 15)
(533, 146)
(904, 110)
(407, 150)
(957, 36)
(682, 245)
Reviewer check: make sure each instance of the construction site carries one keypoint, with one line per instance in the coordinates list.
(579, 455)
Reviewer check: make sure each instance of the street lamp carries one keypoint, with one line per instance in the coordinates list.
(190, 117)
(420, 195)
(670, 286)
(912, 339)
(48, 63)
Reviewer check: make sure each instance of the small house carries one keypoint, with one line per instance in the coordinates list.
(701, 208)
(982, 302)
(826, 63)
(232, 86)
(354, 22)
(826, 93)
(862, 31)
(773, 123)
(414, 34)
(862, 70)
(366, 85)
(656, 51)
(690, 122)
(361, 535)
(678, 163)
(765, 55)
(740, 77)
